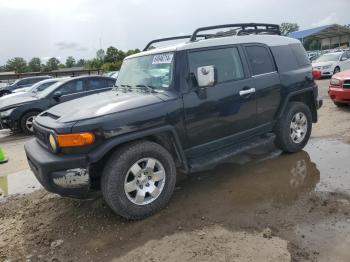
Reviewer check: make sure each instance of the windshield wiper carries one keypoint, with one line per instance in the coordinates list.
(148, 88)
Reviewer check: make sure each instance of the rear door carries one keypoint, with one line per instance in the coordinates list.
(267, 82)
(220, 111)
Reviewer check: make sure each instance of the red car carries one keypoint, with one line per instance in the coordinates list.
(339, 88)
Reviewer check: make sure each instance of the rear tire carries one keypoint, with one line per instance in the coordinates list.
(131, 182)
(294, 128)
(27, 122)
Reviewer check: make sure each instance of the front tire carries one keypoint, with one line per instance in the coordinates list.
(336, 70)
(27, 122)
(138, 180)
(294, 128)
(340, 104)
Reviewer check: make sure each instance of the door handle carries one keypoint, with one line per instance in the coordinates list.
(247, 91)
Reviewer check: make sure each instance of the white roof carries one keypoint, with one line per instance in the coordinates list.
(269, 40)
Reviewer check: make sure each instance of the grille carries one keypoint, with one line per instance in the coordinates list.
(42, 134)
(346, 84)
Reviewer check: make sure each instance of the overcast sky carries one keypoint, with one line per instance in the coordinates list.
(47, 28)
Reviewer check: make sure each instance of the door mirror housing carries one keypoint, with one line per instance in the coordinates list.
(206, 76)
(57, 95)
(343, 58)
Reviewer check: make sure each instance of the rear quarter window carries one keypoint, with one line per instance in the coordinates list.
(300, 54)
(285, 58)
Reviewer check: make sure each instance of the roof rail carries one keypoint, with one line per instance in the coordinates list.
(240, 29)
(171, 39)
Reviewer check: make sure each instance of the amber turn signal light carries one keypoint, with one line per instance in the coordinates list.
(77, 139)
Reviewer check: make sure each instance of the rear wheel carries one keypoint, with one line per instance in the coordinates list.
(138, 179)
(27, 122)
(294, 128)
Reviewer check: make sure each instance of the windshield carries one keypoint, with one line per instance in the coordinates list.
(48, 90)
(328, 58)
(39, 87)
(154, 71)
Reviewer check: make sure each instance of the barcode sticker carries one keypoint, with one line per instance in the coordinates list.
(163, 59)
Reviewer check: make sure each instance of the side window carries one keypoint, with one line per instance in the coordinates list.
(95, 84)
(260, 60)
(300, 54)
(72, 87)
(24, 82)
(111, 82)
(226, 61)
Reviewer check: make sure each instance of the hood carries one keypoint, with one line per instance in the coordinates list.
(342, 75)
(314, 64)
(101, 104)
(15, 100)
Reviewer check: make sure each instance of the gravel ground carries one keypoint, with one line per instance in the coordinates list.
(259, 206)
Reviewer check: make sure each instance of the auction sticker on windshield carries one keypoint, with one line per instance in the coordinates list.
(163, 59)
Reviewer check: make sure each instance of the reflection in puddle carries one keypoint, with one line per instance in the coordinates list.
(18, 183)
(332, 158)
(263, 173)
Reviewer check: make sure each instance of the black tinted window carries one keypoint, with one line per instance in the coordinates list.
(260, 60)
(72, 87)
(111, 82)
(285, 58)
(300, 54)
(226, 61)
(96, 83)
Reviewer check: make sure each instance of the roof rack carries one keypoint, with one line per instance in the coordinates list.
(171, 39)
(241, 29)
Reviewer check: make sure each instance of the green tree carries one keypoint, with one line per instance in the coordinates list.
(111, 55)
(80, 63)
(17, 64)
(70, 61)
(132, 51)
(52, 64)
(287, 28)
(34, 64)
(100, 54)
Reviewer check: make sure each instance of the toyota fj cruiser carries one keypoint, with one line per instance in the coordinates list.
(187, 106)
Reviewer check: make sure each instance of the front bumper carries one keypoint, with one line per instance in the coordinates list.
(7, 123)
(60, 174)
(339, 95)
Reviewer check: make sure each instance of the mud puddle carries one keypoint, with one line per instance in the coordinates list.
(18, 183)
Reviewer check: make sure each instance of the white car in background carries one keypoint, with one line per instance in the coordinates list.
(31, 90)
(332, 63)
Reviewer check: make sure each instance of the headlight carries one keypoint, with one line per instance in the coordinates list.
(327, 66)
(53, 143)
(7, 112)
(335, 82)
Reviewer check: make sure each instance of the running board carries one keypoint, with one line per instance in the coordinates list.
(211, 159)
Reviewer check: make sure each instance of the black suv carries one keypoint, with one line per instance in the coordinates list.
(18, 112)
(21, 83)
(182, 107)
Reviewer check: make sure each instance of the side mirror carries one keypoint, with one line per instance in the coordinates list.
(206, 76)
(343, 58)
(57, 95)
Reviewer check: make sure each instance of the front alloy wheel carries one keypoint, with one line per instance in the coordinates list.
(138, 179)
(144, 181)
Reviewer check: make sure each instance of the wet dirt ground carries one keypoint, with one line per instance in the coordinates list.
(259, 206)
